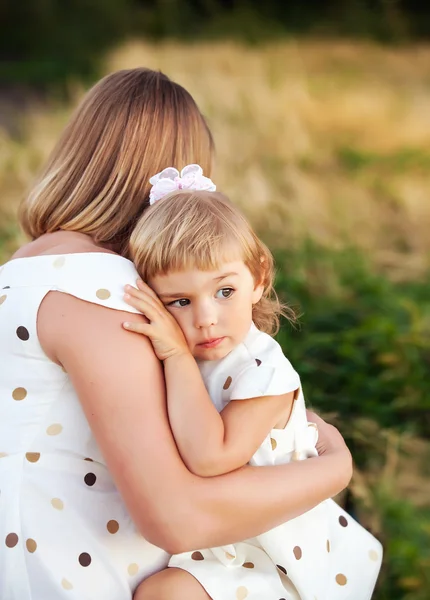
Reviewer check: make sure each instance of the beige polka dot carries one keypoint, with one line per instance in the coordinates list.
(296, 456)
(19, 393)
(31, 545)
(103, 294)
(66, 584)
(241, 592)
(273, 443)
(32, 457)
(197, 556)
(2, 298)
(341, 579)
(373, 555)
(227, 383)
(328, 545)
(11, 540)
(3, 454)
(57, 503)
(313, 425)
(248, 565)
(133, 569)
(297, 551)
(112, 526)
(59, 262)
(54, 429)
(229, 556)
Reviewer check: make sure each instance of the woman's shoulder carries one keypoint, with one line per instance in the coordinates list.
(79, 269)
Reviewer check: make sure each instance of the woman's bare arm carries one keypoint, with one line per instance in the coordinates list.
(120, 384)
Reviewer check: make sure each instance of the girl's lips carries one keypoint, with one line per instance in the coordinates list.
(211, 343)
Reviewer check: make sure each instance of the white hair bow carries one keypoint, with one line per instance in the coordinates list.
(169, 180)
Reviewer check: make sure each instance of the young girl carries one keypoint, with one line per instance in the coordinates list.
(232, 396)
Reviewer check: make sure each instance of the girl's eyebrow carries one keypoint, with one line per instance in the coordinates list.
(225, 275)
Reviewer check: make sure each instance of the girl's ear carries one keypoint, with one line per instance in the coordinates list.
(259, 287)
(257, 293)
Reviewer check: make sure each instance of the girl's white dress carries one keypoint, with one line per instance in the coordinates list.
(65, 533)
(321, 555)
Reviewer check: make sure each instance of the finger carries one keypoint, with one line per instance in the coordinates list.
(143, 328)
(144, 287)
(150, 298)
(144, 306)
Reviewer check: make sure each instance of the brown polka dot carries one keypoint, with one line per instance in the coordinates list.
(32, 457)
(57, 503)
(66, 584)
(103, 294)
(248, 565)
(341, 579)
(283, 569)
(54, 429)
(90, 479)
(241, 593)
(197, 556)
(273, 443)
(328, 545)
(11, 540)
(22, 333)
(19, 393)
(59, 262)
(89, 459)
(297, 551)
(258, 361)
(2, 299)
(133, 569)
(31, 545)
(373, 555)
(112, 526)
(343, 521)
(227, 383)
(84, 559)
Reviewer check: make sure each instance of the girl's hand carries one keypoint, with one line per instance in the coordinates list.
(162, 329)
(331, 441)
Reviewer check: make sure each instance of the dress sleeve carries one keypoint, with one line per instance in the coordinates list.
(265, 380)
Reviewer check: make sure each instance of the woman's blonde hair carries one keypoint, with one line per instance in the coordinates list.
(130, 125)
(201, 230)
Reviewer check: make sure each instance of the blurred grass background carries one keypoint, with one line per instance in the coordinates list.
(324, 143)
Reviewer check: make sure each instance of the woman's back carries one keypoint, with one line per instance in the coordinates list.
(63, 521)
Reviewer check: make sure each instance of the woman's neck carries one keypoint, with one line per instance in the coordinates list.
(61, 242)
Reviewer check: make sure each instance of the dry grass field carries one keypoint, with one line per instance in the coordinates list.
(322, 139)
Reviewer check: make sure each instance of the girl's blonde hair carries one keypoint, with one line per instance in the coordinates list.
(130, 125)
(201, 230)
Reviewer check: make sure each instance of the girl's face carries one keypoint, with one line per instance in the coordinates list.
(213, 308)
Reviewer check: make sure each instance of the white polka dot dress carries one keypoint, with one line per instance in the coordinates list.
(64, 530)
(321, 555)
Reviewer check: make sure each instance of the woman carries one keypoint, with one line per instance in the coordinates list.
(93, 492)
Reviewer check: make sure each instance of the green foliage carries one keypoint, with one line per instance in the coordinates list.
(363, 350)
(363, 345)
(48, 42)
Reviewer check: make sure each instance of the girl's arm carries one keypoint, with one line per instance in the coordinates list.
(211, 443)
(119, 382)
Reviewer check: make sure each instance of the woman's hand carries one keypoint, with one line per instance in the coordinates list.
(330, 441)
(162, 329)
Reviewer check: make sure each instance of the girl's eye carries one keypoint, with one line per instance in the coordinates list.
(179, 303)
(225, 293)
